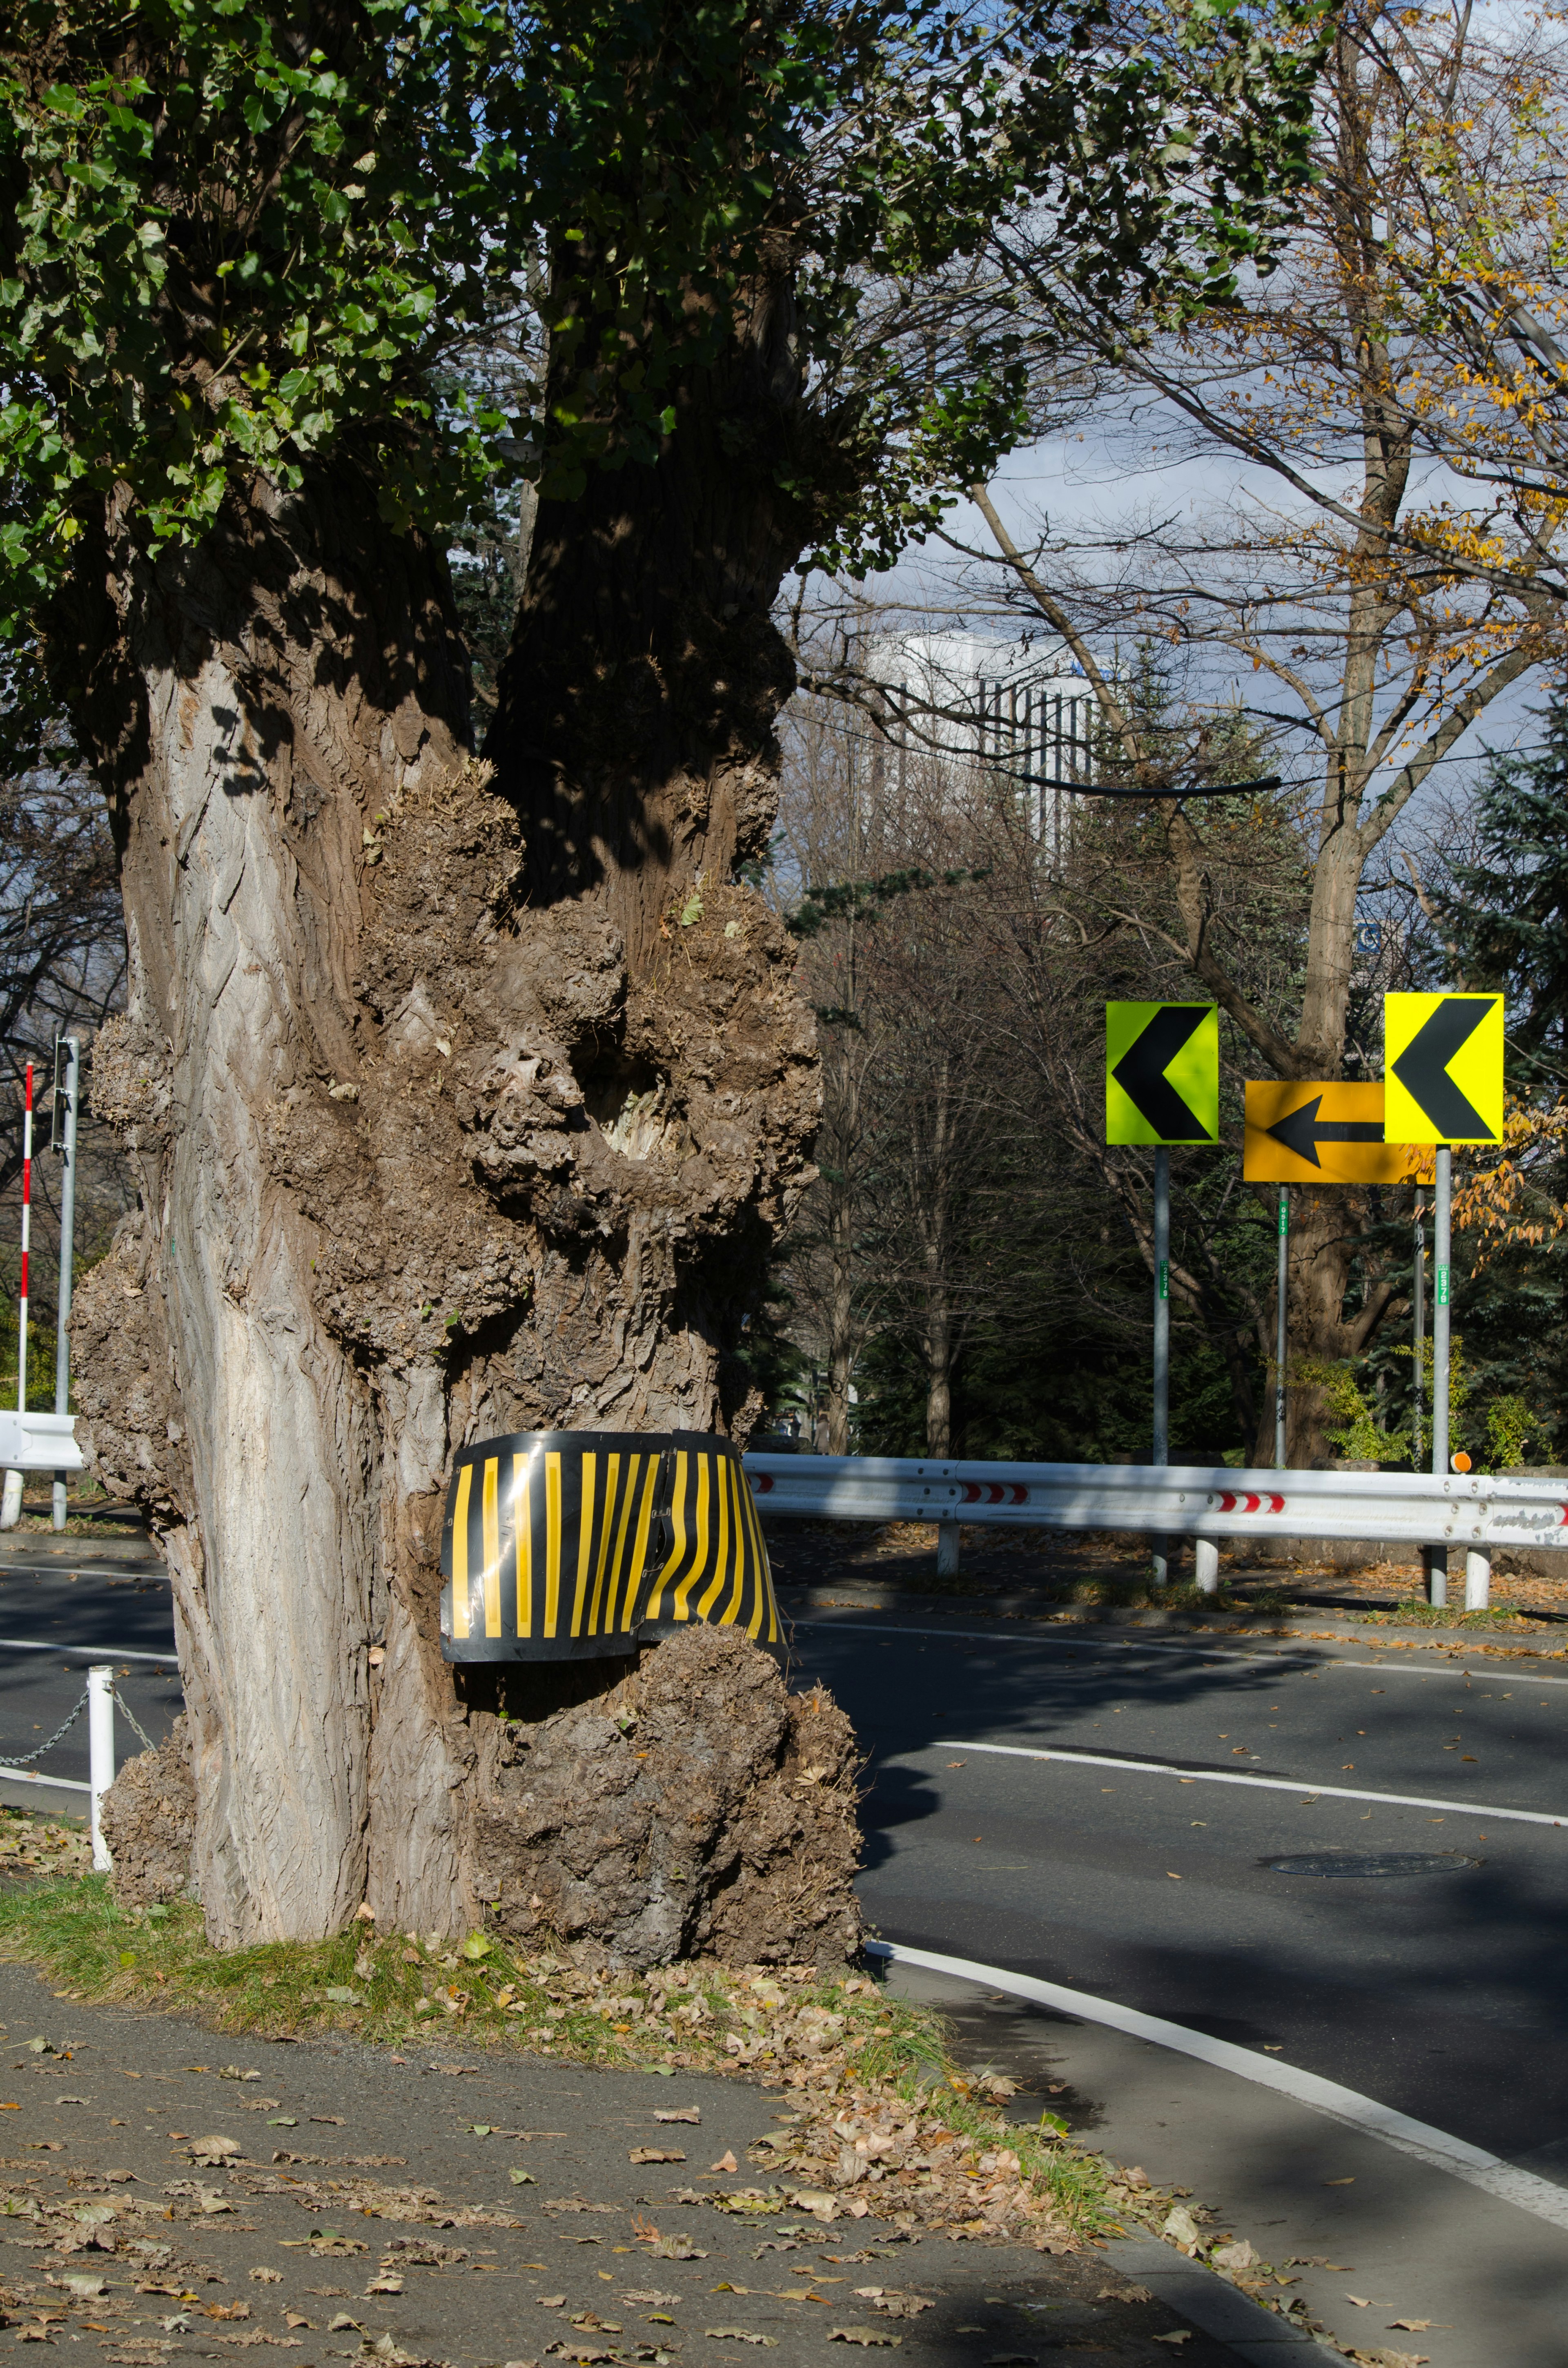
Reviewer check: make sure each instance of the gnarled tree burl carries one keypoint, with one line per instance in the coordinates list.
(466, 1093)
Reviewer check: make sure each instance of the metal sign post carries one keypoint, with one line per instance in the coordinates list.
(63, 1140)
(1161, 1085)
(1281, 1332)
(1419, 1332)
(11, 1501)
(1161, 1438)
(1437, 1557)
(1443, 1055)
(1442, 1213)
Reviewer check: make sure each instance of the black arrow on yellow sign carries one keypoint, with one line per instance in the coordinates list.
(1301, 1131)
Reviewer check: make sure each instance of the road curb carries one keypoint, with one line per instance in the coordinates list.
(1216, 2308)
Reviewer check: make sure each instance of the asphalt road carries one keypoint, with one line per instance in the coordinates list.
(1429, 1992)
(1439, 1993)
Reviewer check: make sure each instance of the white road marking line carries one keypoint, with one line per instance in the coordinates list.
(1436, 2147)
(103, 1652)
(1236, 1776)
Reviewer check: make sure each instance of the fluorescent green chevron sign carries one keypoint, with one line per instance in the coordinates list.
(1162, 1073)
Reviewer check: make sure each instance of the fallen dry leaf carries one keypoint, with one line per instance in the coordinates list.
(869, 2337)
(660, 2154)
(678, 2113)
(726, 2162)
(889, 2300)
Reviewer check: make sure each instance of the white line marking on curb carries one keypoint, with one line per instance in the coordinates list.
(1213, 1656)
(1438, 2148)
(1235, 1776)
(1403, 1669)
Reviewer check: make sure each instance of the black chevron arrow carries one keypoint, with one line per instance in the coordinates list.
(1423, 1068)
(1301, 1131)
(1141, 1072)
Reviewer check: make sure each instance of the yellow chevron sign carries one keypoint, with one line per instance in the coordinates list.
(561, 1545)
(1443, 1068)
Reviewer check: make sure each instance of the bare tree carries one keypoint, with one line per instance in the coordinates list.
(1405, 572)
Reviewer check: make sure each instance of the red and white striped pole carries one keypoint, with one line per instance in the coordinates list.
(11, 1503)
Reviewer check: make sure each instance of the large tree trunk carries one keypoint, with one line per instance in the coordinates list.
(444, 1128)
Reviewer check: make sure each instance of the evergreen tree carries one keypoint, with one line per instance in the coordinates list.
(1506, 915)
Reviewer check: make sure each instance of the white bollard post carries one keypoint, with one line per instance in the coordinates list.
(1206, 1566)
(1477, 1579)
(100, 1755)
(947, 1549)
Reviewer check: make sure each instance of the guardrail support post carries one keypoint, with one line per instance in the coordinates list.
(1477, 1579)
(1206, 1566)
(947, 1549)
(1436, 1559)
(100, 1755)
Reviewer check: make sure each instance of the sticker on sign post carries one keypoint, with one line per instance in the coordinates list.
(1443, 1068)
(1162, 1073)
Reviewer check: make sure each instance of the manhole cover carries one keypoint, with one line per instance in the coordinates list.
(1372, 1862)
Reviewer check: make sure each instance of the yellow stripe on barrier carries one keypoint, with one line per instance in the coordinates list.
(710, 1594)
(585, 1538)
(551, 1542)
(618, 1568)
(492, 1547)
(680, 1606)
(763, 1574)
(521, 1500)
(640, 1550)
(732, 1475)
(459, 1553)
(677, 1555)
(612, 1477)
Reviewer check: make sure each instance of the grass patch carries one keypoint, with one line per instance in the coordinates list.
(1418, 1613)
(854, 2059)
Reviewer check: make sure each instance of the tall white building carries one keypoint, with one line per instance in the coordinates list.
(1019, 709)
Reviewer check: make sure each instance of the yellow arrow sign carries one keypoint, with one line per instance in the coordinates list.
(1329, 1133)
(1443, 1067)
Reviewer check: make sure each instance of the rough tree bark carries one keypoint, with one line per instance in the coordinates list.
(452, 1117)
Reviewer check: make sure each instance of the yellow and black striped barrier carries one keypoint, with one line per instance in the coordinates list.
(571, 1544)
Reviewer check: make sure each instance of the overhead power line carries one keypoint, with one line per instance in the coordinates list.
(1099, 790)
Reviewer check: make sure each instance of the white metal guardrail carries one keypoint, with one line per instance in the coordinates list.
(1471, 1511)
(40, 1443)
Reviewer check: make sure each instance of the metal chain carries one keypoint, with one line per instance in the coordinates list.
(26, 1759)
(135, 1722)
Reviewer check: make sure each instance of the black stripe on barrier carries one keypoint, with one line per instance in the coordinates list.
(576, 1544)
